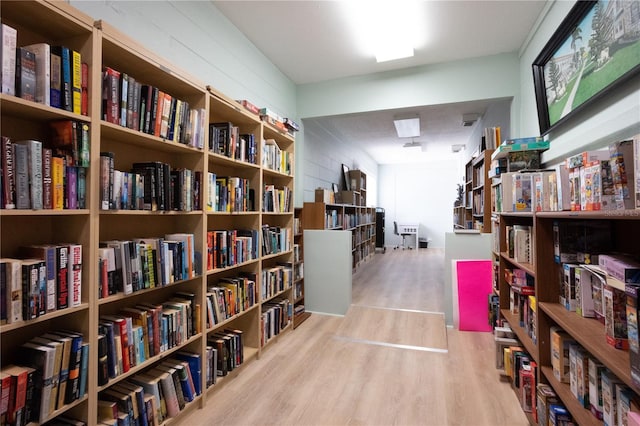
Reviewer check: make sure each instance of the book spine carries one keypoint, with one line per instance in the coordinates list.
(47, 190)
(55, 96)
(65, 57)
(9, 44)
(62, 289)
(57, 182)
(111, 96)
(124, 88)
(25, 74)
(14, 288)
(82, 187)
(73, 383)
(35, 173)
(76, 81)
(75, 275)
(84, 84)
(42, 54)
(30, 291)
(8, 175)
(84, 370)
(71, 193)
(50, 261)
(21, 162)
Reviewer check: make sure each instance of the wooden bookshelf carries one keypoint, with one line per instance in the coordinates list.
(300, 314)
(357, 219)
(481, 191)
(101, 45)
(588, 332)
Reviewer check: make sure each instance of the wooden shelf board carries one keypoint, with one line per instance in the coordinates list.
(61, 410)
(528, 267)
(216, 213)
(121, 296)
(237, 265)
(580, 414)
(16, 106)
(521, 333)
(114, 133)
(516, 214)
(269, 172)
(150, 213)
(277, 213)
(606, 215)
(280, 293)
(47, 212)
(591, 335)
(46, 317)
(250, 354)
(274, 255)
(148, 362)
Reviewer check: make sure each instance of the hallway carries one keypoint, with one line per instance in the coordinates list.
(390, 360)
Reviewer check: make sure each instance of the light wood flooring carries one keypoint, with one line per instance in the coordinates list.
(389, 361)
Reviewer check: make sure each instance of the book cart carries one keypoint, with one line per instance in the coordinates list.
(266, 308)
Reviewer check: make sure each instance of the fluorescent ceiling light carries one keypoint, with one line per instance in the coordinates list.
(407, 127)
(386, 29)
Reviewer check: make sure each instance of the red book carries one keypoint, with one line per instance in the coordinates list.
(84, 103)
(158, 122)
(18, 390)
(62, 279)
(120, 329)
(111, 95)
(5, 391)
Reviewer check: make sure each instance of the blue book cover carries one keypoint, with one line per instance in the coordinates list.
(195, 367)
(84, 369)
(106, 328)
(65, 76)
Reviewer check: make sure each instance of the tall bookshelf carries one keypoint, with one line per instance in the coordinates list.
(357, 219)
(300, 313)
(101, 46)
(547, 275)
(481, 191)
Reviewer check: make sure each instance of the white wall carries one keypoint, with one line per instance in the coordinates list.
(422, 193)
(613, 118)
(324, 154)
(195, 36)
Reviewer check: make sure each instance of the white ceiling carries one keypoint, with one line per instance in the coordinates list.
(309, 41)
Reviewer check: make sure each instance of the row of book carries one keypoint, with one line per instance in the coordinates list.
(276, 317)
(229, 297)
(275, 158)
(149, 398)
(127, 266)
(138, 333)
(276, 200)
(51, 372)
(519, 242)
(229, 194)
(46, 175)
(595, 387)
(50, 75)
(231, 247)
(591, 180)
(149, 185)
(228, 352)
(276, 279)
(148, 109)
(520, 369)
(275, 239)
(226, 139)
(46, 279)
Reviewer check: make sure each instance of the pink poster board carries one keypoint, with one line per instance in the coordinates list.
(474, 285)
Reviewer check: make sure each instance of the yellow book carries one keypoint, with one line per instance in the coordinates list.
(76, 82)
(57, 182)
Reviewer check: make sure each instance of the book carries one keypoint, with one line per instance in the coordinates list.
(76, 81)
(75, 274)
(57, 182)
(66, 342)
(103, 369)
(34, 172)
(151, 386)
(25, 74)
(57, 366)
(42, 52)
(17, 392)
(42, 358)
(8, 174)
(84, 369)
(47, 189)
(55, 95)
(48, 254)
(111, 95)
(84, 84)
(66, 96)
(21, 173)
(75, 360)
(9, 40)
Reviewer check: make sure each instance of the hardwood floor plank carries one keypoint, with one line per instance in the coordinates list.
(316, 376)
